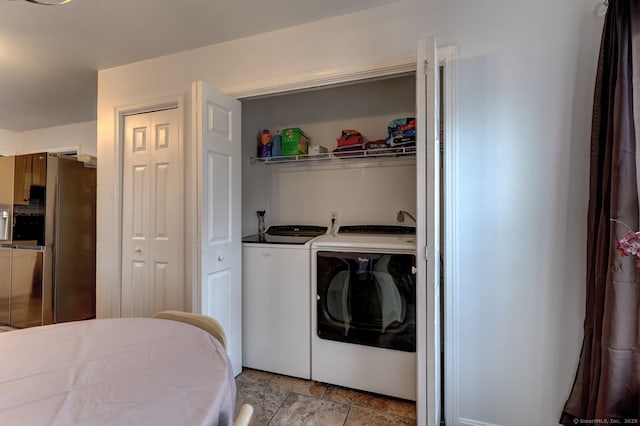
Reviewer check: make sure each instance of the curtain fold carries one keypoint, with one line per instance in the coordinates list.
(607, 382)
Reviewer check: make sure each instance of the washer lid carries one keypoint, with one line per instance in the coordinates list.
(276, 239)
(287, 234)
(297, 230)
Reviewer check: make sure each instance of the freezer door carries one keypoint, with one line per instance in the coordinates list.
(5, 284)
(26, 288)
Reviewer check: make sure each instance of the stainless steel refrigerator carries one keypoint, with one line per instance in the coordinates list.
(47, 239)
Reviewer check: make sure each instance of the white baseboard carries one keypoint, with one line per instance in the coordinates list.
(471, 422)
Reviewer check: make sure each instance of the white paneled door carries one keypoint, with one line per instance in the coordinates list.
(152, 214)
(428, 233)
(219, 148)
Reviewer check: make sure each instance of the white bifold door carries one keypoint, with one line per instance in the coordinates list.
(152, 214)
(217, 124)
(428, 233)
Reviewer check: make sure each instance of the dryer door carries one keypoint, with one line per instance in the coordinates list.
(367, 299)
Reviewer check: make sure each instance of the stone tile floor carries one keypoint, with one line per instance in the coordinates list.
(283, 400)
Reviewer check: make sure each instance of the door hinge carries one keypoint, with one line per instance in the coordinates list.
(426, 253)
(426, 68)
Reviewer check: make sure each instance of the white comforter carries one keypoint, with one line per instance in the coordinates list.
(128, 371)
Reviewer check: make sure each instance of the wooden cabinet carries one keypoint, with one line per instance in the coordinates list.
(30, 169)
(22, 179)
(39, 169)
(6, 175)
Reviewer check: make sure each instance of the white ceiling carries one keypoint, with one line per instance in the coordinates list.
(49, 55)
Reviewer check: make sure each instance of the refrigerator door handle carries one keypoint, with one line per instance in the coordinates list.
(4, 225)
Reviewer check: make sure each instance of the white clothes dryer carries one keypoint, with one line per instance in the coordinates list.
(363, 309)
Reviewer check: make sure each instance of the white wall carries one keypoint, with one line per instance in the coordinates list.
(526, 79)
(525, 82)
(370, 194)
(78, 136)
(8, 141)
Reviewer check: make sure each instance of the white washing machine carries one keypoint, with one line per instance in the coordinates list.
(363, 309)
(276, 279)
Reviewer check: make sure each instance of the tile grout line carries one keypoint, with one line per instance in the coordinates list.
(347, 416)
(268, 385)
(278, 409)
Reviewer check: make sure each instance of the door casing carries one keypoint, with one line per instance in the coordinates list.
(158, 247)
(121, 112)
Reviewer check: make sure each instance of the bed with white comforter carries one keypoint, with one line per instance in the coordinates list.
(125, 371)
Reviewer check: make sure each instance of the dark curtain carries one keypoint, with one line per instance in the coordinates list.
(607, 384)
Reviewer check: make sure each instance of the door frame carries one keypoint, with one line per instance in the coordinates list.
(385, 68)
(447, 56)
(120, 113)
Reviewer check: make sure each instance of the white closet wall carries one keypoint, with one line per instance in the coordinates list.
(361, 192)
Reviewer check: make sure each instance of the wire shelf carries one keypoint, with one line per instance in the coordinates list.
(395, 152)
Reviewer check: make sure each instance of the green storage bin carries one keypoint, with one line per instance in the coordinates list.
(294, 141)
